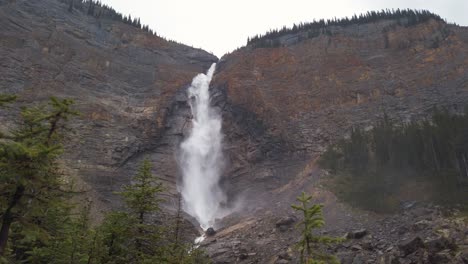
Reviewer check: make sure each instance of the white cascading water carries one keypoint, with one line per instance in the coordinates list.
(201, 156)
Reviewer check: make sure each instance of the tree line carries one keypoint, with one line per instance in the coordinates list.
(98, 10)
(379, 160)
(41, 224)
(404, 17)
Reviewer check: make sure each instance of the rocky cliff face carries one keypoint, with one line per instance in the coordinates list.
(124, 82)
(310, 92)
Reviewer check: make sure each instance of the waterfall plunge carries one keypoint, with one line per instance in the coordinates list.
(201, 156)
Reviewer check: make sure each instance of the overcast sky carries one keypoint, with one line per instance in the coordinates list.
(220, 26)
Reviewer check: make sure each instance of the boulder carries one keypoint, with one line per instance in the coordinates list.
(390, 259)
(464, 256)
(421, 225)
(243, 256)
(367, 245)
(359, 259)
(438, 244)
(284, 255)
(346, 257)
(409, 246)
(356, 248)
(419, 256)
(287, 221)
(210, 232)
(284, 223)
(402, 230)
(357, 234)
(440, 257)
(406, 205)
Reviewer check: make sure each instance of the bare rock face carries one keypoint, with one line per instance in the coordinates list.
(312, 92)
(125, 82)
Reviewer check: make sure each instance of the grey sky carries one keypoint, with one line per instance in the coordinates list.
(220, 26)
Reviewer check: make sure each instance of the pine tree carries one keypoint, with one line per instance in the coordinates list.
(309, 243)
(62, 235)
(179, 251)
(129, 236)
(141, 196)
(113, 239)
(356, 151)
(29, 174)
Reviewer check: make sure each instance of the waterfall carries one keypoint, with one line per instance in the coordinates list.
(201, 158)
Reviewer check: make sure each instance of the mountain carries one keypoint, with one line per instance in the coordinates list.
(284, 98)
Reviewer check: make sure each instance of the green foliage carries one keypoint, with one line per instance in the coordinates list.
(39, 224)
(309, 243)
(30, 178)
(141, 196)
(66, 237)
(374, 165)
(131, 236)
(112, 239)
(405, 17)
(6, 98)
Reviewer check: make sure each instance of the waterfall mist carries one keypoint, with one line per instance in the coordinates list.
(201, 157)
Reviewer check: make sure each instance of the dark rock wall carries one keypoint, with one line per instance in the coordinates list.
(309, 93)
(284, 105)
(124, 82)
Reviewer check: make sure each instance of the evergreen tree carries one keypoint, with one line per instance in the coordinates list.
(356, 152)
(29, 174)
(379, 161)
(61, 236)
(309, 244)
(141, 199)
(114, 237)
(179, 251)
(131, 236)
